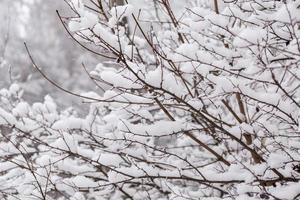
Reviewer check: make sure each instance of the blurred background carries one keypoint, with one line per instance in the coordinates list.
(36, 23)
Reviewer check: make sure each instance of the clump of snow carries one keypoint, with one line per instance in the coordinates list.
(21, 110)
(288, 13)
(70, 123)
(159, 128)
(277, 160)
(250, 36)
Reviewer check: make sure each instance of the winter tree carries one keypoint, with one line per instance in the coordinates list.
(200, 100)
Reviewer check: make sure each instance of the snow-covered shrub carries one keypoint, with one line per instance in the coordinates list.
(201, 102)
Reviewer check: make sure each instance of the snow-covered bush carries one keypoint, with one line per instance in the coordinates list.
(200, 102)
